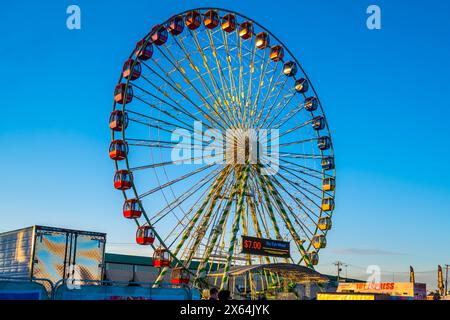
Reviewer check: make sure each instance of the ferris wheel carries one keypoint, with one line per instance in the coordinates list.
(198, 74)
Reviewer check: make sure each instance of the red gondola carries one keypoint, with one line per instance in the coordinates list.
(132, 209)
(118, 120)
(131, 69)
(211, 19)
(176, 25)
(193, 19)
(119, 93)
(161, 258)
(123, 180)
(229, 22)
(118, 150)
(159, 34)
(276, 53)
(143, 51)
(262, 40)
(145, 236)
(179, 276)
(246, 30)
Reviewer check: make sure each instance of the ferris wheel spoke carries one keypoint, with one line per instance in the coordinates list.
(176, 126)
(252, 209)
(181, 178)
(269, 89)
(295, 128)
(218, 229)
(151, 125)
(205, 225)
(208, 90)
(271, 106)
(240, 79)
(233, 86)
(173, 162)
(285, 217)
(289, 115)
(222, 77)
(255, 104)
(212, 201)
(259, 206)
(171, 84)
(298, 184)
(177, 88)
(159, 144)
(176, 108)
(308, 169)
(298, 202)
(300, 155)
(182, 72)
(161, 214)
(289, 171)
(281, 106)
(268, 204)
(247, 94)
(235, 228)
(291, 143)
(220, 95)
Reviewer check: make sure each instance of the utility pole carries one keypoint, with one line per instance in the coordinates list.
(446, 279)
(339, 265)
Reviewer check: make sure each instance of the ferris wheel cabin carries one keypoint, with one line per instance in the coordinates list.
(211, 19)
(143, 51)
(318, 123)
(324, 223)
(122, 92)
(262, 40)
(132, 209)
(118, 150)
(193, 20)
(118, 120)
(301, 85)
(276, 53)
(176, 25)
(161, 258)
(313, 257)
(324, 143)
(311, 104)
(145, 236)
(123, 180)
(229, 23)
(290, 68)
(328, 184)
(160, 35)
(327, 163)
(319, 241)
(328, 204)
(246, 30)
(179, 276)
(131, 69)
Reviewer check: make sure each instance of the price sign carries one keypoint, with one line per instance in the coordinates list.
(265, 247)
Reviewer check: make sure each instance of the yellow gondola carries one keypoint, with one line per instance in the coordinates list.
(328, 184)
(328, 204)
(319, 242)
(324, 223)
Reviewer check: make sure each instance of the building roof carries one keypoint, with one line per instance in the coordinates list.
(291, 271)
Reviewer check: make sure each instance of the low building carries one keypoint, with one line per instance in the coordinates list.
(395, 290)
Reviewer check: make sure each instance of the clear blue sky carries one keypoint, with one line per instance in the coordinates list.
(385, 93)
